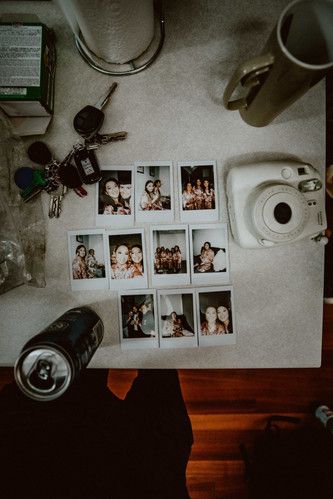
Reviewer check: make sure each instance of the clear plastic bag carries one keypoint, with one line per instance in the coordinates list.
(22, 227)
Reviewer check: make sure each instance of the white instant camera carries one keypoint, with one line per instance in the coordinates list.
(275, 203)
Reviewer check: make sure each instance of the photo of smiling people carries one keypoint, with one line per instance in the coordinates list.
(115, 197)
(209, 254)
(153, 188)
(177, 318)
(138, 319)
(87, 260)
(198, 197)
(170, 255)
(128, 269)
(215, 316)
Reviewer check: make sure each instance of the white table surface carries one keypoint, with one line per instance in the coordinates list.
(173, 111)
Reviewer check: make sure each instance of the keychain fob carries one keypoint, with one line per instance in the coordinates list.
(87, 165)
(88, 121)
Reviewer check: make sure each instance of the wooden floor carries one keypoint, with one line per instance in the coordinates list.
(229, 407)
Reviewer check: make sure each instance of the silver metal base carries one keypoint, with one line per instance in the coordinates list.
(131, 67)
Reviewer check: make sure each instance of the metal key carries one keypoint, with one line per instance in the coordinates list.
(102, 101)
(89, 120)
(52, 205)
(55, 203)
(87, 164)
(101, 139)
(64, 191)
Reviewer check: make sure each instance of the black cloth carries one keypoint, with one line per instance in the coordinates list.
(90, 444)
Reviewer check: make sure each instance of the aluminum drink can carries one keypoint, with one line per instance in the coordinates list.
(50, 362)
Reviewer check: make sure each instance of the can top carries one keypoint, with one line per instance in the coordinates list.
(43, 372)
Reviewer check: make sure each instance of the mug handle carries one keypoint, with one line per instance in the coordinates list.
(251, 70)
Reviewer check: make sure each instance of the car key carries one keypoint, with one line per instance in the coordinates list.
(89, 120)
(55, 203)
(87, 164)
(101, 139)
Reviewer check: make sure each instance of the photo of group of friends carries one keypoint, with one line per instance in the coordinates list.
(87, 260)
(120, 259)
(167, 261)
(138, 319)
(177, 318)
(145, 192)
(115, 197)
(169, 255)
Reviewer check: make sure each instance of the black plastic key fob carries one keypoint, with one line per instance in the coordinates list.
(87, 165)
(88, 121)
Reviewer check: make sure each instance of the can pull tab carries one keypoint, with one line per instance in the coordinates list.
(40, 376)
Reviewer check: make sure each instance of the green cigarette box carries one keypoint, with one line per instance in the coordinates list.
(27, 69)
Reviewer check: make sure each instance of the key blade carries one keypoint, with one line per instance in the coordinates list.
(57, 207)
(105, 98)
(51, 207)
(112, 137)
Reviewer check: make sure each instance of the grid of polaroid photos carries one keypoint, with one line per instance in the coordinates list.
(187, 255)
(177, 318)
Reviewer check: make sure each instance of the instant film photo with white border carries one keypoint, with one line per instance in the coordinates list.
(127, 259)
(177, 318)
(169, 255)
(209, 254)
(216, 316)
(154, 200)
(114, 203)
(198, 191)
(88, 264)
(138, 322)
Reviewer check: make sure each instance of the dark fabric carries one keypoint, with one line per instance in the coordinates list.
(89, 444)
(290, 463)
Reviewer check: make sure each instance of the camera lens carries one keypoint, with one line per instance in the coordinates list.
(282, 213)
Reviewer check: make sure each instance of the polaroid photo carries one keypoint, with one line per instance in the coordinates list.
(209, 254)
(169, 254)
(88, 267)
(153, 191)
(216, 317)
(114, 205)
(177, 318)
(198, 192)
(127, 259)
(138, 319)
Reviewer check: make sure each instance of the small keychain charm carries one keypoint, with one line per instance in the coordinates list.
(69, 176)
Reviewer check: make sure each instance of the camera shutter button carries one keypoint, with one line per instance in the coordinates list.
(286, 173)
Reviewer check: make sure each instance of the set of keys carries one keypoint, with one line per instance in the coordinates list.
(79, 167)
